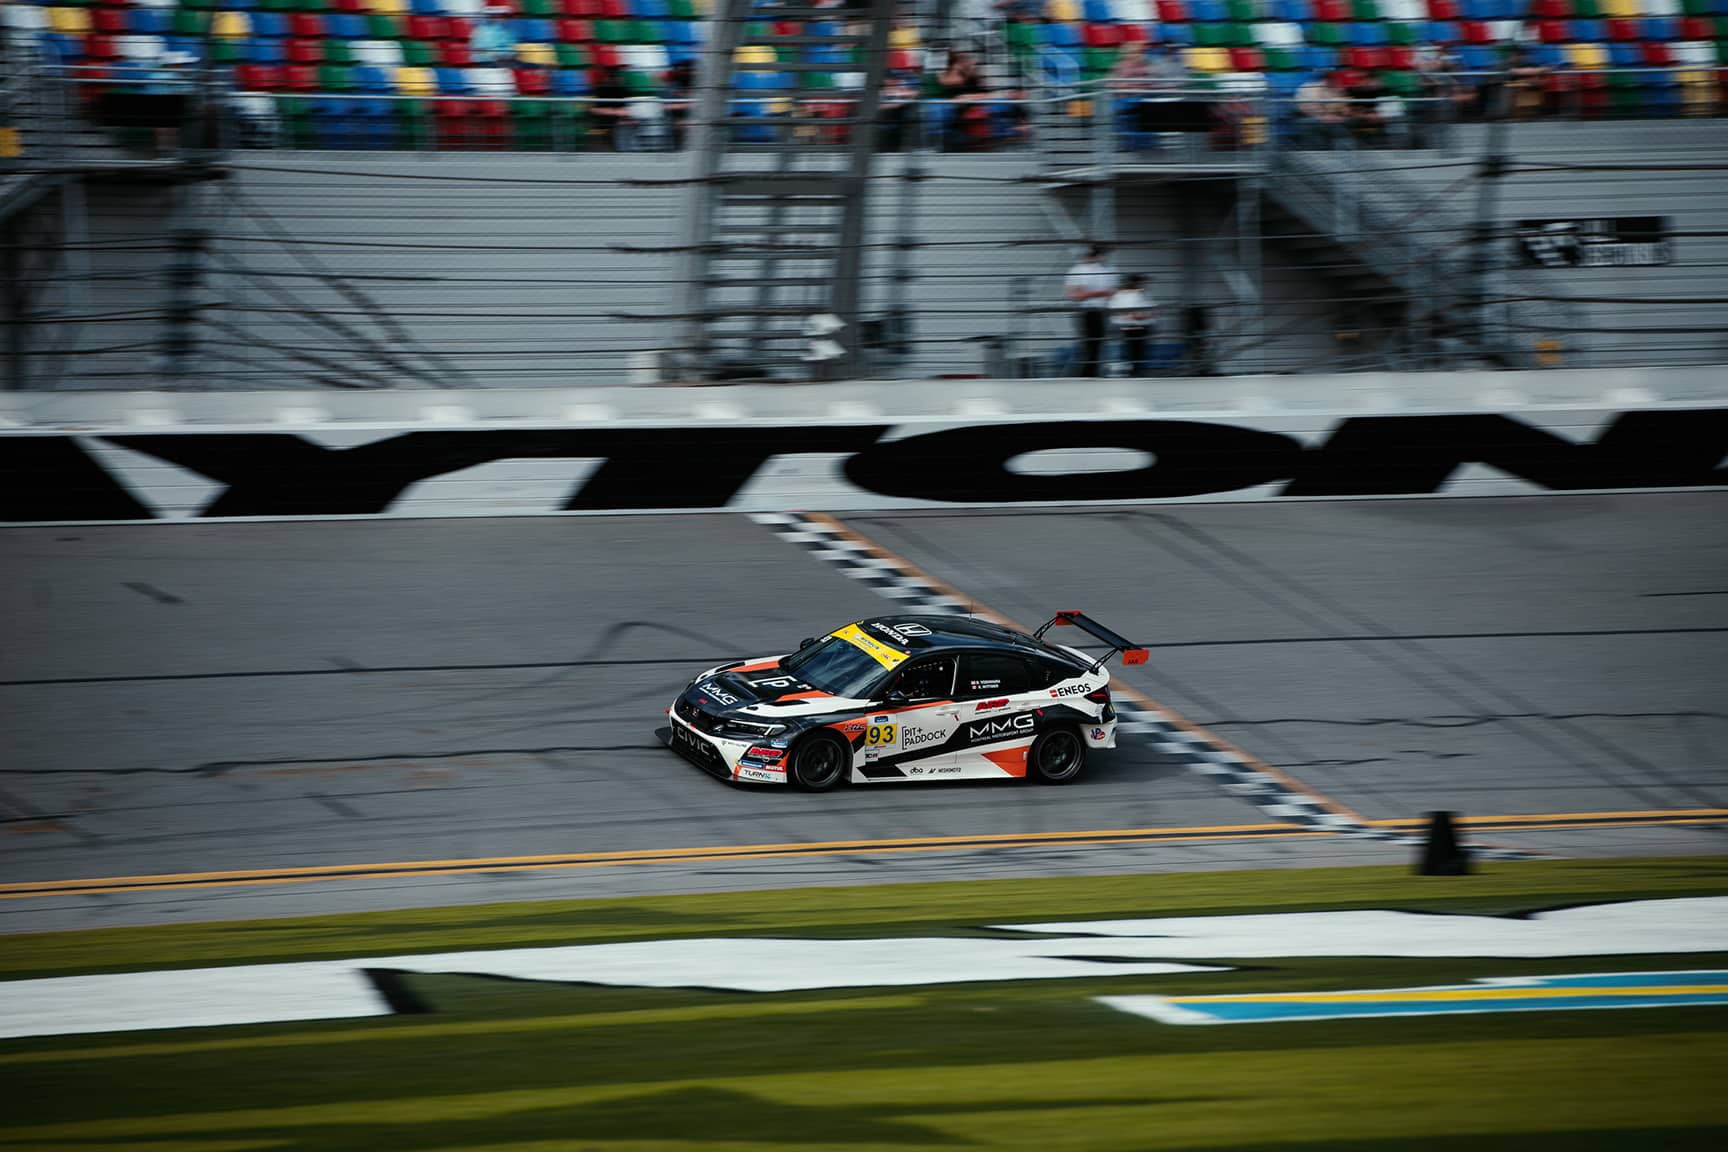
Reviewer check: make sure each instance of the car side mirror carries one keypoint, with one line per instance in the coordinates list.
(895, 696)
(806, 642)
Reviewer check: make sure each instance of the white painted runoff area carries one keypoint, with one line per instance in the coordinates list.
(1639, 926)
(337, 989)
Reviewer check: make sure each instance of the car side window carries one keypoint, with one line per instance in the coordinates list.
(929, 679)
(1048, 672)
(994, 674)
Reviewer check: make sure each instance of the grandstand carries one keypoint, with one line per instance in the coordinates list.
(279, 237)
(416, 81)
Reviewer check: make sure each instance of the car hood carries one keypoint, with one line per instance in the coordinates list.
(761, 688)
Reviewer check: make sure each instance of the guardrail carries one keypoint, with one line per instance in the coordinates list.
(1235, 113)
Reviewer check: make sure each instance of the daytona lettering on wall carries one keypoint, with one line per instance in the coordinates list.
(60, 479)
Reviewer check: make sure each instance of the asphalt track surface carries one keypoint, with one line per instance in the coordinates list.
(361, 715)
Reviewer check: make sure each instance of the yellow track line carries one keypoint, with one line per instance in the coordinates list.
(830, 846)
(984, 842)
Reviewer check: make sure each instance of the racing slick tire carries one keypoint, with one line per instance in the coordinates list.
(819, 762)
(1056, 757)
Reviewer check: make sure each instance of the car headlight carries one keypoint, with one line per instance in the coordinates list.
(748, 729)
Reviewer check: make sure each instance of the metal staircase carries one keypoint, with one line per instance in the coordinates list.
(775, 217)
(1408, 263)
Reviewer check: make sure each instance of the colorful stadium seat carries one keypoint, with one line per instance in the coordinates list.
(1654, 57)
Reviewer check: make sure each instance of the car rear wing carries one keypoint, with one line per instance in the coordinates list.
(1132, 653)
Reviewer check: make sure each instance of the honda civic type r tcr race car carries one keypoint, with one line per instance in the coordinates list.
(905, 698)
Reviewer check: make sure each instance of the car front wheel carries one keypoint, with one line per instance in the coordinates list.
(1056, 757)
(819, 763)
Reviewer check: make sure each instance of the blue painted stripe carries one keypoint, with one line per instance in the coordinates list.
(1587, 990)
(1238, 1012)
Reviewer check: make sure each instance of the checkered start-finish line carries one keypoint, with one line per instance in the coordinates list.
(1199, 751)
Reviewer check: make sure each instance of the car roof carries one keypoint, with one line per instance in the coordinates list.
(930, 634)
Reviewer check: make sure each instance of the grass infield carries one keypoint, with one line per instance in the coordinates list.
(1027, 1065)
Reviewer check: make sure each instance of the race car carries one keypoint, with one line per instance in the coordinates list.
(904, 698)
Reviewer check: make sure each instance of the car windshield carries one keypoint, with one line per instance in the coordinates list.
(835, 667)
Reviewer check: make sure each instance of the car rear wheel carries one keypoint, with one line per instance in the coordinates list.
(1056, 757)
(819, 763)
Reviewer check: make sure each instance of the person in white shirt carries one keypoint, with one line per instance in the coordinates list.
(1090, 284)
(1135, 317)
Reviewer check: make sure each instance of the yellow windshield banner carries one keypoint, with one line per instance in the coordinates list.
(870, 646)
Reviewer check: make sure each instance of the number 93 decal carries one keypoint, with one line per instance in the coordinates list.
(881, 735)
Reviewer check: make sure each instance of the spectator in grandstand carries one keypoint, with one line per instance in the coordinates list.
(1090, 284)
(897, 113)
(1134, 316)
(1322, 112)
(493, 41)
(961, 78)
(1371, 108)
(611, 110)
(961, 84)
(1525, 92)
(678, 87)
(1165, 67)
(1440, 97)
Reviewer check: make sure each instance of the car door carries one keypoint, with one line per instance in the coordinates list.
(998, 715)
(910, 736)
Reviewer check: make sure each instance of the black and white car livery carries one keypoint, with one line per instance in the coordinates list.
(905, 698)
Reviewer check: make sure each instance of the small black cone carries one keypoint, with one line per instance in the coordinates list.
(1442, 855)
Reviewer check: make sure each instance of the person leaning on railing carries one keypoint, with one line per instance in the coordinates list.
(1526, 84)
(961, 84)
(611, 109)
(1322, 112)
(678, 83)
(1441, 97)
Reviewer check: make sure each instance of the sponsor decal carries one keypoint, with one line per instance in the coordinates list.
(881, 735)
(1489, 994)
(718, 694)
(694, 743)
(342, 988)
(786, 682)
(1605, 242)
(746, 772)
(1099, 733)
(870, 646)
(55, 478)
(851, 729)
(899, 632)
(1062, 690)
(912, 736)
(889, 631)
(945, 770)
(1003, 728)
(991, 705)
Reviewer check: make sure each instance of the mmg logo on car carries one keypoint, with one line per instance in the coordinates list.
(1007, 726)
